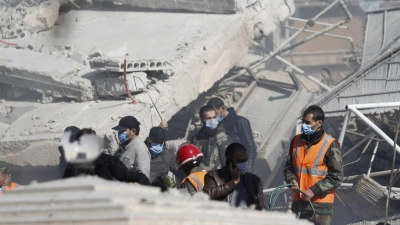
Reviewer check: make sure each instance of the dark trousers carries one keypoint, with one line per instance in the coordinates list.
(320, 220)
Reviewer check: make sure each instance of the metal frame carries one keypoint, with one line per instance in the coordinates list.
(355, 109)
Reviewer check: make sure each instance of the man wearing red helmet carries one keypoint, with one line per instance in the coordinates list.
(188, 159)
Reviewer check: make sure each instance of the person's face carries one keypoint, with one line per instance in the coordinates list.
(209, 115)
(308, 120)
(5, 180)
(239, 157)
(130, 133)
(221, 111)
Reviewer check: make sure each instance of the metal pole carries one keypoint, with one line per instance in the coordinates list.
(372, 158)
(324, 34)
(295, 68)
(344, 127)
(358, 144)
(359, 157)
(375, 105)
(319, 33)
(374, 174)
(318, 23)
(373, 126)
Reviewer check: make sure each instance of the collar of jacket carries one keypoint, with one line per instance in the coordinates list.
(312, 139)
(231, 111)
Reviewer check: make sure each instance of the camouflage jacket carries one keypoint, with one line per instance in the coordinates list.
(213, 147)
(333, 160)
(160, 165)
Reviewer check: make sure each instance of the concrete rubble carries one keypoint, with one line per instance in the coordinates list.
(203, 6)
(91, 200)
(181, 54)
(45, 74)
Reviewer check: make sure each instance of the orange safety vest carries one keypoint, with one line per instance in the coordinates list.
(310, 167)
(11, 187)
(196, 179)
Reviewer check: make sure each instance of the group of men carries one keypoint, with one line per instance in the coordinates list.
(219, 161)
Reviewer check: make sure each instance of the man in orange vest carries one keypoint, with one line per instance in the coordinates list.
(314, 166)
(188, 158)
(5, 178)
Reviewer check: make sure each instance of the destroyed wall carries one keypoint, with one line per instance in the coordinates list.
(199, 49)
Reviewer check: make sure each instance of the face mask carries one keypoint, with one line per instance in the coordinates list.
(242, 167)
(122, 136)
(219, 119)
(211, 123)
(155, 148)
(307, 130)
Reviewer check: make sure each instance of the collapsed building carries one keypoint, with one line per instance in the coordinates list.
(67, 68)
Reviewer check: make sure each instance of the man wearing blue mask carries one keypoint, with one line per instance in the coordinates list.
(314, 166)
(237, 127)
(135, 154)
(163, 158)
(212, 139)
(233, 183)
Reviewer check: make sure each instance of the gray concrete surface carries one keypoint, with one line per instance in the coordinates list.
(90, 200)
(202, 6)
(45, 74)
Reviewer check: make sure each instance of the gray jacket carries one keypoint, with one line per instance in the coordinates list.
(137, 156)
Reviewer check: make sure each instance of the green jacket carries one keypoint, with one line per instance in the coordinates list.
(213, 147)
(333, 160)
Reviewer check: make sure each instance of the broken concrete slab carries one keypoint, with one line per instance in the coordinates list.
(123, 51)
(113, 84)
(205, 6)
(45, 74)
(116, 64)
(42, 17)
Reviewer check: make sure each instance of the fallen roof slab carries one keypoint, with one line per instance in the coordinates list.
(205, 6)
(91, 200)
(44, 73)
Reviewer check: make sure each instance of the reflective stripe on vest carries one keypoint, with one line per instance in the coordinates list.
(310, 167)
(196, 179)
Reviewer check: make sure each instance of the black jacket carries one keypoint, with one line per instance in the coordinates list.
(239, 129)
(218, 184)
(110, 168)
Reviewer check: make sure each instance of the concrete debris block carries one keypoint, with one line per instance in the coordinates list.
(111, 85)
(205, 6)
(79, 57)
(44, 74)
(43, 17)
(132, 65)
(95, 52)
(123, 51)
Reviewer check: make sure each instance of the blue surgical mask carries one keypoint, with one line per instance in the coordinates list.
(219, 119)
(211, 123)
(122, 136)
(155, 148)
(242, 167)
(307, 130)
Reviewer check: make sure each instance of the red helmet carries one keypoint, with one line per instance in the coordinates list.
(187, 153)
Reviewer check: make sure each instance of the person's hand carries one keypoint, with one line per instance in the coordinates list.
(307, 195)
(235, 173)
(295, 186)
(164, 124)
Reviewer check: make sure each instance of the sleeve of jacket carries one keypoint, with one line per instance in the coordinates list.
(213, 190)
(246, 138)
(261, 196)
(143, 159)
(333, 160)
(223, 142)
(288, 171)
